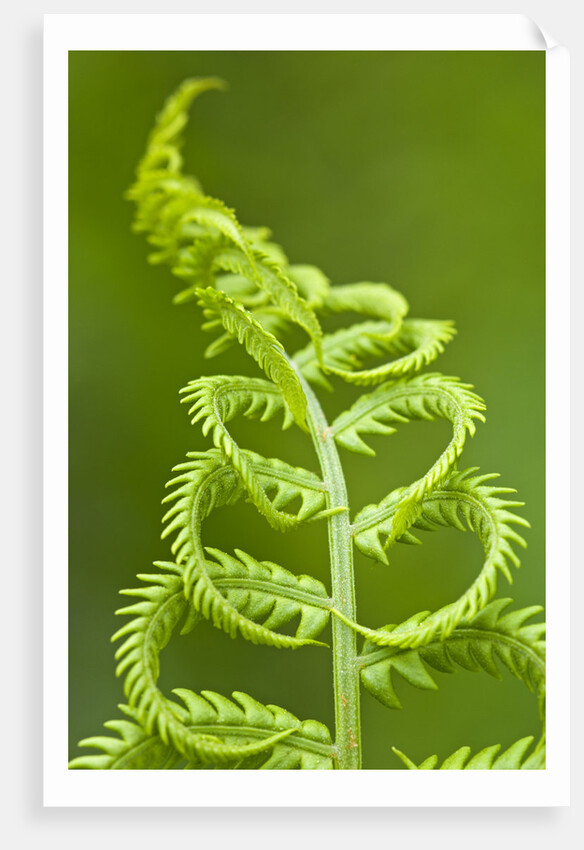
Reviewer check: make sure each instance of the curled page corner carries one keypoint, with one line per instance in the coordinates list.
(547, 41)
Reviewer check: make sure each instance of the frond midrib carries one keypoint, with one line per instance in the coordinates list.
(368, 658)
(260, 732)
(217, 393)
(271, 587)
(293, 475)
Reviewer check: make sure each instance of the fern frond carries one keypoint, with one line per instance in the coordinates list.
(168, 203)
(199, 235)
(268, 594)
(251, 294)
(217, 400)
(306, 745)
(282, 291)
(191, 217)
(207, 256)
(427, 397)
(260, 239)
(261, 345)
(462, 498)
(418, 342)
(514, 758)
(220, 398)
(146, 634)
(165, 139)
(132, 749)
(236, 286)
(378, 300)
(339, 348)
(475, 645)
(204, 484)
(154, 618)
(160, 190)
(270, 318)
(311, 282)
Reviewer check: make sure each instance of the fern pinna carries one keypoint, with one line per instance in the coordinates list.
(250, 294)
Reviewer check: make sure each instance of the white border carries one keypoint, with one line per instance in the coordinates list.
(323, 789)
(293, 32)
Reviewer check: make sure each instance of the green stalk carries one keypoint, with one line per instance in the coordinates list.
(345, 670)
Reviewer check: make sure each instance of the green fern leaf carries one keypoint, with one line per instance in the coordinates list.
(311, 282)
(251, 294)
(514, 758)
(427, 396)
(165, 139)
(378, 300)
(260, 239)
(199, 235)
(282, 292)
(217, 400)
(475, 645)
(169, 203)
(185, 218)
(208, 255)
(154, 618)
(159, 183)
(418, 342)
(205, 483)
(261, 345)
(265, 592)
(236, 286)
(304, 745)
(146, 634)
(132, 749)
(340, 347)
(270, 318)
(173, 117)
(422, 397)
(460, 499)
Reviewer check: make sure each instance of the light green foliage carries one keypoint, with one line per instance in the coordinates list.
(266, 737)
(514, 758)
(250, 294)
(475, 644)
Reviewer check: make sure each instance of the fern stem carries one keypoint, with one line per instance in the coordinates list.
(345, 671)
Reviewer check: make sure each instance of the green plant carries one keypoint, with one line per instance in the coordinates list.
(250, 293)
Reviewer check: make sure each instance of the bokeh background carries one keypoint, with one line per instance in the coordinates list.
(424, 170)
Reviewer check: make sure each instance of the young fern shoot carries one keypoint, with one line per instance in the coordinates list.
(251, 295)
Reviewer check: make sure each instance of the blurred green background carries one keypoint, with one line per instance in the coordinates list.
(424, 170)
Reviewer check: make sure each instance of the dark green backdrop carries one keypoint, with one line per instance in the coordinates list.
(425, 170)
